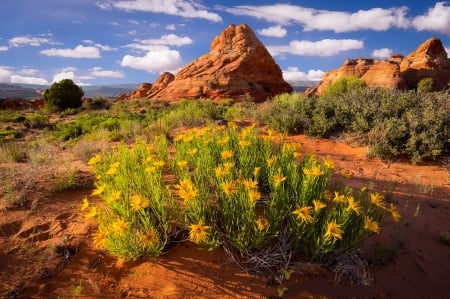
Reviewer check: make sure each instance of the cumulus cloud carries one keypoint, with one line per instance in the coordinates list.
(325, 47)
(28, 40)
(436, 19)
(69, 75)
(165, 40)
(377, 19)
(100, 72)
(154, 61)
(182, 8)
(78, 52)
(294, 76)
(382, 53)
(273, 31)
(28, 80)
(5, 74)
(3, 48)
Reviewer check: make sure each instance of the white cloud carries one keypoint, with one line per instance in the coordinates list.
(274, 31)
(28, 80)
(28, 40)
(100, 72)
(29, 72)
(294, 76)
(5, 74)
(182, 8)
(325, 47)
(171, 27)
(69, 75)
(378, 19)
(3, 48)
(161, 43)
(436, 19)
(78, 52)
(383, 53)
(154, 61)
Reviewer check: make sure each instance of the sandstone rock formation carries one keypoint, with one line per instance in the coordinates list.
(428, 60)
(238, 66)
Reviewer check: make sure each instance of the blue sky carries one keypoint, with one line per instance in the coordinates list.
(132, 41)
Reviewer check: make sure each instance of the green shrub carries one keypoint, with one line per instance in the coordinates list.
(289, 113)
(426, 85)
(36, 120)
(99, 103)
(247, 191)
(344, 85)
(62, 95)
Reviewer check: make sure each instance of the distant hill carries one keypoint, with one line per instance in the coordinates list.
(29, 91)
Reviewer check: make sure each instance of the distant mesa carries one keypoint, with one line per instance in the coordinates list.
(238, 66)
(429, 60)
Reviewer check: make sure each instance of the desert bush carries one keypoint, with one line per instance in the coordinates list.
(240, 111)
(36, 120)
(289, 113)
(425, 85)
(13, 151)
(63, 95)
(98, 103)
(344, 85)
(245, 190)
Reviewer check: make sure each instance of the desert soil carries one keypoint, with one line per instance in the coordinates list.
(46, 252)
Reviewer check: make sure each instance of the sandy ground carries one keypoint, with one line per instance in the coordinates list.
(47, 252)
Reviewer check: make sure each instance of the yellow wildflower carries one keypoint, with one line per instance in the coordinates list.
(99, 190)
(346, 173)
(377, 199)
(228, 165)
(99, 238)
(338, 197)
(188, 138)
(270, 161)
(149, 238)
(179, 137)
(226, 155)
(278, 179)
(138, 202)
(192, 151)
(353, 205)
(333, 231)
(304, 214)
(256, 171)
(329, 163)
(262, 224)
(371, 225)
(244, 143)
(296, 155)
(150, 169)
(223, 141)
(221, 171)
(254, 195)
(182, 163)
(249, 184)
(120, 226)
(112, 169)
(394, 213)
(94, 160)
(91, 213)
(114, 196)
(148, 159)
(198, 232)
(228, 188)
(186, 190)
(84, 204)
(318, 205)
(313, 171)
(159, 164)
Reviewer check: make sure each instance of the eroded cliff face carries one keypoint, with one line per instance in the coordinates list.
(428, 60)
(238, 66)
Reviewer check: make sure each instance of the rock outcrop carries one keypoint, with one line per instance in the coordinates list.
(428, 60)
(238, 66)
